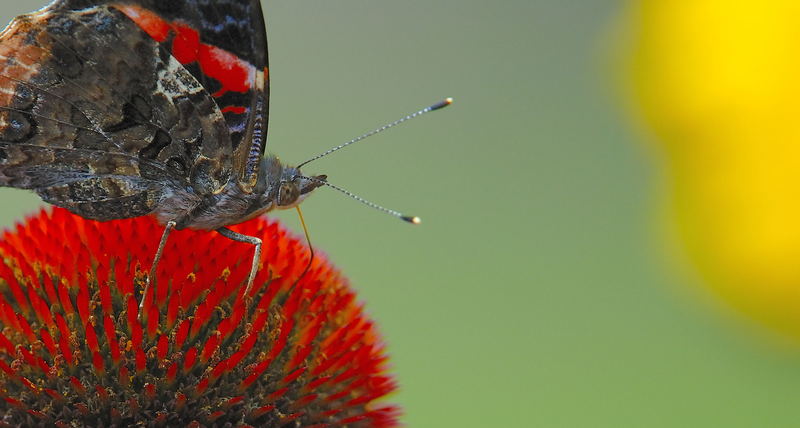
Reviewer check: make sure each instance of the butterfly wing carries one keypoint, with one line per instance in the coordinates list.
(223, 44)
(101, 115)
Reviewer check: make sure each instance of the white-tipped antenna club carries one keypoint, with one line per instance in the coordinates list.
(393, 213)
(441, 104)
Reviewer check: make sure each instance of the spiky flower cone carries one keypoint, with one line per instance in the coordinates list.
(73, 353)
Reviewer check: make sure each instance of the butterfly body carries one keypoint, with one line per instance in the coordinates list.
(277, 186)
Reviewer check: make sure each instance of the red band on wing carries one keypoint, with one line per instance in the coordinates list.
(148, 21)
(186, 44)
(233, 73)
(234, 109)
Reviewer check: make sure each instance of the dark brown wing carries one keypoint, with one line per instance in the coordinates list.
(223, 44)
(97, 117)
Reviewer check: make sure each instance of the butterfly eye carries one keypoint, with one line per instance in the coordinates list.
(288, 194)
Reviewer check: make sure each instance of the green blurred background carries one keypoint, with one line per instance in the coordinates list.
(537, 291)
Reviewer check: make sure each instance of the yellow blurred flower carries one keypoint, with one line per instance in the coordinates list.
(719, 83)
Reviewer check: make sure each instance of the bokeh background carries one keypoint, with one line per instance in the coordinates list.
(545, 286)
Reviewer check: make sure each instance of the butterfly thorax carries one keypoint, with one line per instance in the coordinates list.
(277, 187)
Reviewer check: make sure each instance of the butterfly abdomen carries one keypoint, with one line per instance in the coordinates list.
(230, 206)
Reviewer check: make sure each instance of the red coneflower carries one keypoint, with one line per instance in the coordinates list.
(73, 351)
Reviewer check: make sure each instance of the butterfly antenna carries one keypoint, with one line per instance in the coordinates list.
(393, 213)
(441, 104)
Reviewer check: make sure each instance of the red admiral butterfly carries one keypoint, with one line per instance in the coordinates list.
(122, 108)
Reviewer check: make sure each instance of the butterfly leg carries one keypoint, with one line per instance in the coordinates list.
(224, 231)
(152, 277)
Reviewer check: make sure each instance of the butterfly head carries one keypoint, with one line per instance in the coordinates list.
(285, 186)
(294, 187)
